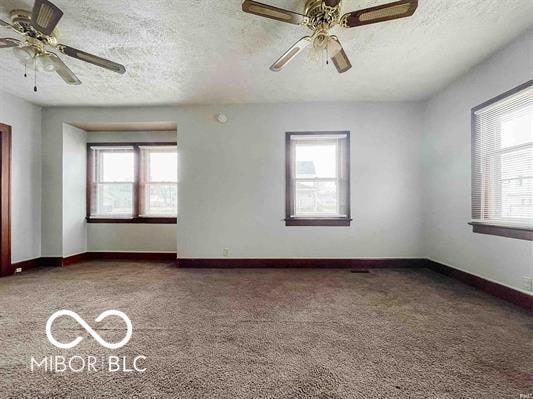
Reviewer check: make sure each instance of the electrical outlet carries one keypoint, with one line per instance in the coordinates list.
(18, 270)
(225, 252)
(527, 283)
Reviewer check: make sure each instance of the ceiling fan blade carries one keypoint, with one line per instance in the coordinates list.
(340, 59)
(8, 42)
(4, 24)
(45, 16)
(385, 12)
(92, 59)
(268, 11)
(291, 53)
(63, 71)
(332, 3)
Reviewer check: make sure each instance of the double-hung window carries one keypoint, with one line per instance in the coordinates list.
(502, 164)
(132, 183)
(318, 179)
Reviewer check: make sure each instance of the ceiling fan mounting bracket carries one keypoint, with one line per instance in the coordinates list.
(319, 16)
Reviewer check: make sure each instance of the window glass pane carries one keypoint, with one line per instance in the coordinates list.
(316, 198)
(517, 184)
(517, 128)
(163, 166)
(114, 199)
(161, 199)
(316, 160)
(117, 166)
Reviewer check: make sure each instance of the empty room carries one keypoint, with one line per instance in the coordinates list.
(266, 199)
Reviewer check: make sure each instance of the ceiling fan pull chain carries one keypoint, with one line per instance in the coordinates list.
(35, 76)
(25, 70)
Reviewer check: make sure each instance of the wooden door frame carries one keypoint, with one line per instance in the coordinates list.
(5, 200)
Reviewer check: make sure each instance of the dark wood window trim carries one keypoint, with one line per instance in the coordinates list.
(289, 186)
(5, 201)
(509, 231)
(520, 233)
(137, 187)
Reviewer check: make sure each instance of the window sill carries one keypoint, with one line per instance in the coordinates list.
(140, 220)
(518, 232)
(341, 222)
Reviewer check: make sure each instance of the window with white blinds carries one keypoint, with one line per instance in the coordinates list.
(502, 160)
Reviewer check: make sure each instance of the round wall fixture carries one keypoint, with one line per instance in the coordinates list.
(222, 118)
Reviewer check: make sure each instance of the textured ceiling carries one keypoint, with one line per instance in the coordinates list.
(209, 51)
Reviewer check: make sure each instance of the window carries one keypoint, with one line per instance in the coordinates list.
(318, 179)
(132, 183)
(502, 164)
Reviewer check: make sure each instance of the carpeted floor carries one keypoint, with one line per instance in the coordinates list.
(266, 334)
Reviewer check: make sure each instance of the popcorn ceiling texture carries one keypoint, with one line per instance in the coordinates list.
(209, 51)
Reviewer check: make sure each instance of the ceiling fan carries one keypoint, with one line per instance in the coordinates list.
(322, 15)
(37, 28)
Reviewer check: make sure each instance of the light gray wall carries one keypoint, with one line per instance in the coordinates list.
(232, 181)
(25, 120)
(133, 237)
(231, 178)
(74, 194)
(129, 137)
(447, 204)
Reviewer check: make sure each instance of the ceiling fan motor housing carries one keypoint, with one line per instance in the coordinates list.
(320, 16)
(22, 20)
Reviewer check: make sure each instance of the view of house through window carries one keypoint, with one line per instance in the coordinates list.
(132, 181)
(318, 170)
(316, 178)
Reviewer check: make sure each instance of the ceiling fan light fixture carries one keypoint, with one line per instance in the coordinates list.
(46, 64)
(24, 54)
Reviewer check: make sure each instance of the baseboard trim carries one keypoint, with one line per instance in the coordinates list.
(508, 294)
(56, 261)
(498, 290)
(27, 264)
(51, 261)
(154, 256)
(280, 263)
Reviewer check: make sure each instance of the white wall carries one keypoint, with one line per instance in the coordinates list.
(129, 137)
(25, 120)
(133, 237)
(74, 194)
(231, 190)
(232, 182)
(448, 238)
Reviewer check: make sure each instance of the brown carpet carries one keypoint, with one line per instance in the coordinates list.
(267, 334)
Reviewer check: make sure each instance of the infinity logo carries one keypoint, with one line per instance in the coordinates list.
(88, 328)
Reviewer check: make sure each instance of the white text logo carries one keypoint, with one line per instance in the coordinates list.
(88, 328)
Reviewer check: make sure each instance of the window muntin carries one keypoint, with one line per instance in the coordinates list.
(502, 178)
(318, 176)
(132, 182)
